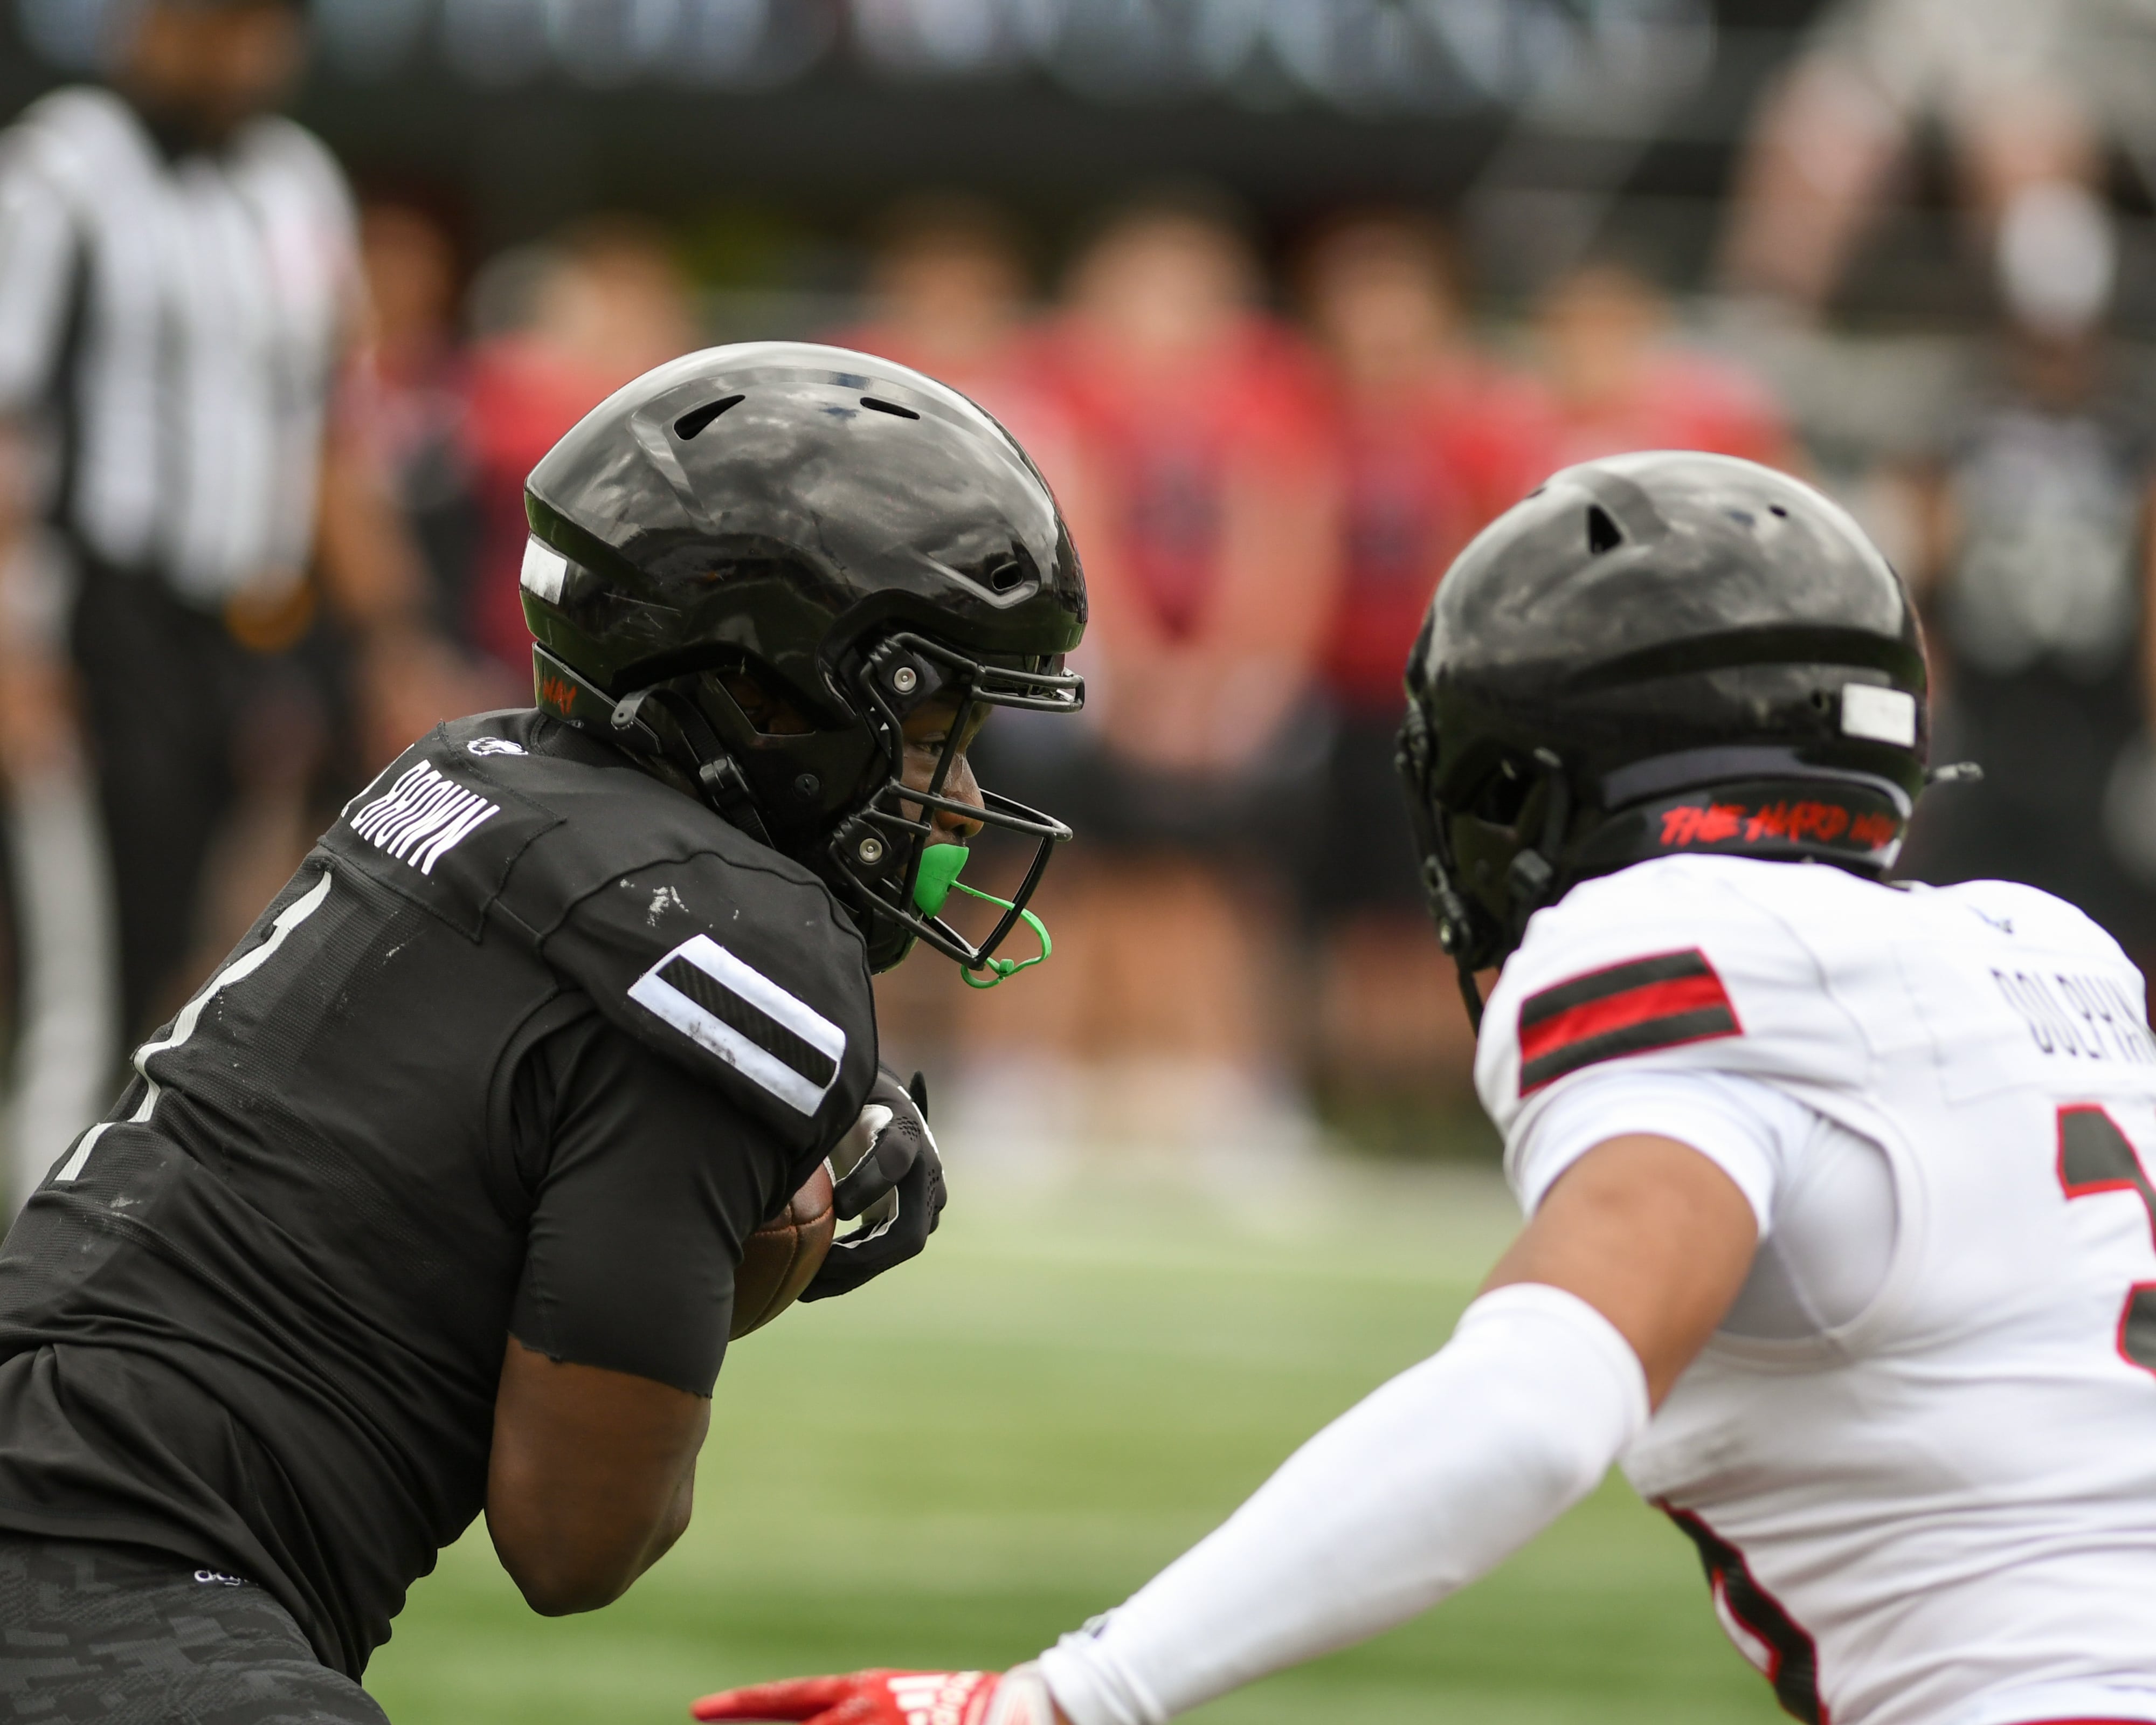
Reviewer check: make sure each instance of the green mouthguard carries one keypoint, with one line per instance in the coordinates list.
(940, 866)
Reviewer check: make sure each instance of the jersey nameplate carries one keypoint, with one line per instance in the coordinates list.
(736, 1012)
(2077, 1016)
(424, 816)
(1642, 1004)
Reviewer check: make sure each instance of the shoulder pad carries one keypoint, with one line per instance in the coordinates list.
(717, 952)
(439, 828)
(741, 972)
(2035, 915)
(1676, 964)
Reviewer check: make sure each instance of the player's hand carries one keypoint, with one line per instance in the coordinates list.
(893, 1184)
(1017, 1697)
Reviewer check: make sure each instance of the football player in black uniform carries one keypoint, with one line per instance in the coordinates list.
(432, 1199)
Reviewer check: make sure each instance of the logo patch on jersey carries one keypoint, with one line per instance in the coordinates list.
(1628, 1009)
(735, 1011)
(422, 817)
(493, 746)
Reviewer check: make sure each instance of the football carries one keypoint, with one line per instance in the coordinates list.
(781, 1255)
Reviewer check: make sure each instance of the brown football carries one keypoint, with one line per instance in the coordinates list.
(781, 1255)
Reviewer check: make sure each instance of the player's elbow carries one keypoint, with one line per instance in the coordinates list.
(562, 1571)
(590, 1481)
(558, 1587)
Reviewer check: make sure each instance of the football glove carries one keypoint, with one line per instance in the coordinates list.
(882, 1698)
(890, 1178)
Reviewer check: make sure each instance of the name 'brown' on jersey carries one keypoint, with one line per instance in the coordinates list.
(528, 1046)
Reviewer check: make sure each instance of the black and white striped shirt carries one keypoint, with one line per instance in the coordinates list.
(169, 330)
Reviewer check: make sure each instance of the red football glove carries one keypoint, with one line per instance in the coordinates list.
(1018, 1698)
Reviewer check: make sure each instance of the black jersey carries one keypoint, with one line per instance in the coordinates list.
(528, 1046)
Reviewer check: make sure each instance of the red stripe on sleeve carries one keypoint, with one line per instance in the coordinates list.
(1620, 1012)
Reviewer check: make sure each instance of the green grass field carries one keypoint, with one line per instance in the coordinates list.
(1012, 1432)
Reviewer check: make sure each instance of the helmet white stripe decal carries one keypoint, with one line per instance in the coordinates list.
(545, 570)
(1879, 714)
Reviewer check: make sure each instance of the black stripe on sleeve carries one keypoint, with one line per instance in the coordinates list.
(750, 1021)
(1617, 979)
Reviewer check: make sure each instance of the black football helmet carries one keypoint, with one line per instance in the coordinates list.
(1655, 654)
(851, 538)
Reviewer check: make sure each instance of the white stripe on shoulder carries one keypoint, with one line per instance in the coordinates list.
(729, 1009)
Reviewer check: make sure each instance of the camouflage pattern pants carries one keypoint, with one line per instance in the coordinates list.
(91, 1632)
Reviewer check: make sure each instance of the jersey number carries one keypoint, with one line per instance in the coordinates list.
(183, 1026)
(1765, 1632)
(2094, 1156)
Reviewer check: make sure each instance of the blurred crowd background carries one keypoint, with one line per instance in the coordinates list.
(1287, 297)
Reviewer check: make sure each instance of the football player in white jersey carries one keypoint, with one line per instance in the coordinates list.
(1840, 1237)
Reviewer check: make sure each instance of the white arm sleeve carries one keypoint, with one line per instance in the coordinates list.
(1432, 1480)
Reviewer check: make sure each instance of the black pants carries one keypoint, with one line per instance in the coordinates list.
(109, 1632)
(163, 686)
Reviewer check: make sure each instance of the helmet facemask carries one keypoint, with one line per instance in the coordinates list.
(879, 850)
(832, 794)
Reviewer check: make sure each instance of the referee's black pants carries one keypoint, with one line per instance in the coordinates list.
(163, 687)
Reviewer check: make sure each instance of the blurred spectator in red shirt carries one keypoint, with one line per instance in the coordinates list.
(1437, 439)
(1619, 382)
(950, 293)
(412, 392)
(606, 303)
(1206, 490)
(1203, 499)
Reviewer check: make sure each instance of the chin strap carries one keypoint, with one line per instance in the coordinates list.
(1530, 878)
(715, 774)
(1533, 876)
(656, 724)
(1455, 923)
(1470, 994)
(1450, 913)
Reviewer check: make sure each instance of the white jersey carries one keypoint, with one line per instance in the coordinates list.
(1919, 1458)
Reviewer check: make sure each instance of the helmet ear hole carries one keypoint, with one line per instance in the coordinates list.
(1603, 534)
(1499, 799)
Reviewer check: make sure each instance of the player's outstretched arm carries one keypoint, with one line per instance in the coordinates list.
(590, 1478)
(1628, 1265)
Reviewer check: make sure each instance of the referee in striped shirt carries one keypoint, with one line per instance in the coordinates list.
(177, 293)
